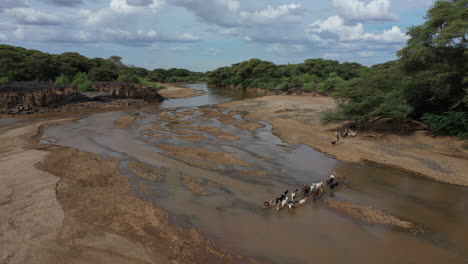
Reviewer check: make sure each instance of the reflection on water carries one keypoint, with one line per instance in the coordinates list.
(212, 96)
(233, 216)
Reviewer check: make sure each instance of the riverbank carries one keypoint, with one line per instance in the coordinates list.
(296, 120)
(172, 91)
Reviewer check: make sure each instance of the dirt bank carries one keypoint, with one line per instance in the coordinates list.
(41, 97)
(296, 119)
(175, 92)
(77, 207)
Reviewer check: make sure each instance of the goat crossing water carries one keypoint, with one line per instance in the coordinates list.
(316, 190)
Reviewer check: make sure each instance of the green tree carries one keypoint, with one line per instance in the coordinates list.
(437, 58)
(4, 80)
(129, 78)
(62, 81)
(81, 82)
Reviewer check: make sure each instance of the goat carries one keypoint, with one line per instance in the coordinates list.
(293, 195)
(301, 202)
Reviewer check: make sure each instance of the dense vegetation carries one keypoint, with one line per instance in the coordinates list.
(312, 75)
(429, 82)
(71, 68)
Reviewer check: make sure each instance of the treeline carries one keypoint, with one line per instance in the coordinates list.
(71, 68)
(312, 75)
(429, 81)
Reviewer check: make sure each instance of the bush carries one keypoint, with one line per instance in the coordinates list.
(4, 80)
(453, 123)
(129, 78)
(62, 81)
(146, 82)
(102, 74)
(308, 87)
(81, 82)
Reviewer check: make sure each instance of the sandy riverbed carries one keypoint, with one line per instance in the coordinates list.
(78, 208)
(296, 119)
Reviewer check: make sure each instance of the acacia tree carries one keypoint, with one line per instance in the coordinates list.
(429, 78)
(436, 55)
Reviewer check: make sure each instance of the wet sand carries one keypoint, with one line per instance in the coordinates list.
(79, 208)
(296, 120)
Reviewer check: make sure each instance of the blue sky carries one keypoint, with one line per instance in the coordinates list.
(205, 34)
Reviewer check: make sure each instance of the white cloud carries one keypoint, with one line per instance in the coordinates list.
(366, 54)
(287, 13)
(3, 37)
(331, 56)
(5, 4)
(154, 48)
(286, 49)
(355, 10)
(179, 48)
(219, 12)
(139, 2)
(29, 16)
(187, 37)
(213, 51)
(68, 3)
(336, 27)
(121, 6)
(229, 31)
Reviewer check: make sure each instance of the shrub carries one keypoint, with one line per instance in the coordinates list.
(62, 81)
(308, 87)
(146, 82)
(129, 78)
(81, 82)
(4, 80)
(453, 123)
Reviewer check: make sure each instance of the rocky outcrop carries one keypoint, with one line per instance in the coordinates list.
(31, 97)
(119, 90)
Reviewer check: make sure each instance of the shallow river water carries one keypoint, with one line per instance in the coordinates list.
(233, 216)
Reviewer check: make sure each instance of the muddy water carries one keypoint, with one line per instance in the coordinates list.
(233, 216)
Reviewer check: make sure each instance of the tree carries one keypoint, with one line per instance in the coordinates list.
(81, 82)
(71, 63)
(62, 81)
(436, 55)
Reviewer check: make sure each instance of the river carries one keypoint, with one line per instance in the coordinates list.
(233, 216)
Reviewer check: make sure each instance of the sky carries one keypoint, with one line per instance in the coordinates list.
(203, 35)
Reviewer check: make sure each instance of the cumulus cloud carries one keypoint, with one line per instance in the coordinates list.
(3, 37)
(335, 27)
(64, 2)
(139, 2)
(355, 10)
(331, 56)
(286, 49)
(5, 4)
(286, 13)
(366, 54)
(29, 16)
(122, 6)
(228, 13)
(179, 48)
(213, 51)
(218, 12)
(187, 37)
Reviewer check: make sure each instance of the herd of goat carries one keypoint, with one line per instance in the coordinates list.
(348, 132)
(316, 190)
